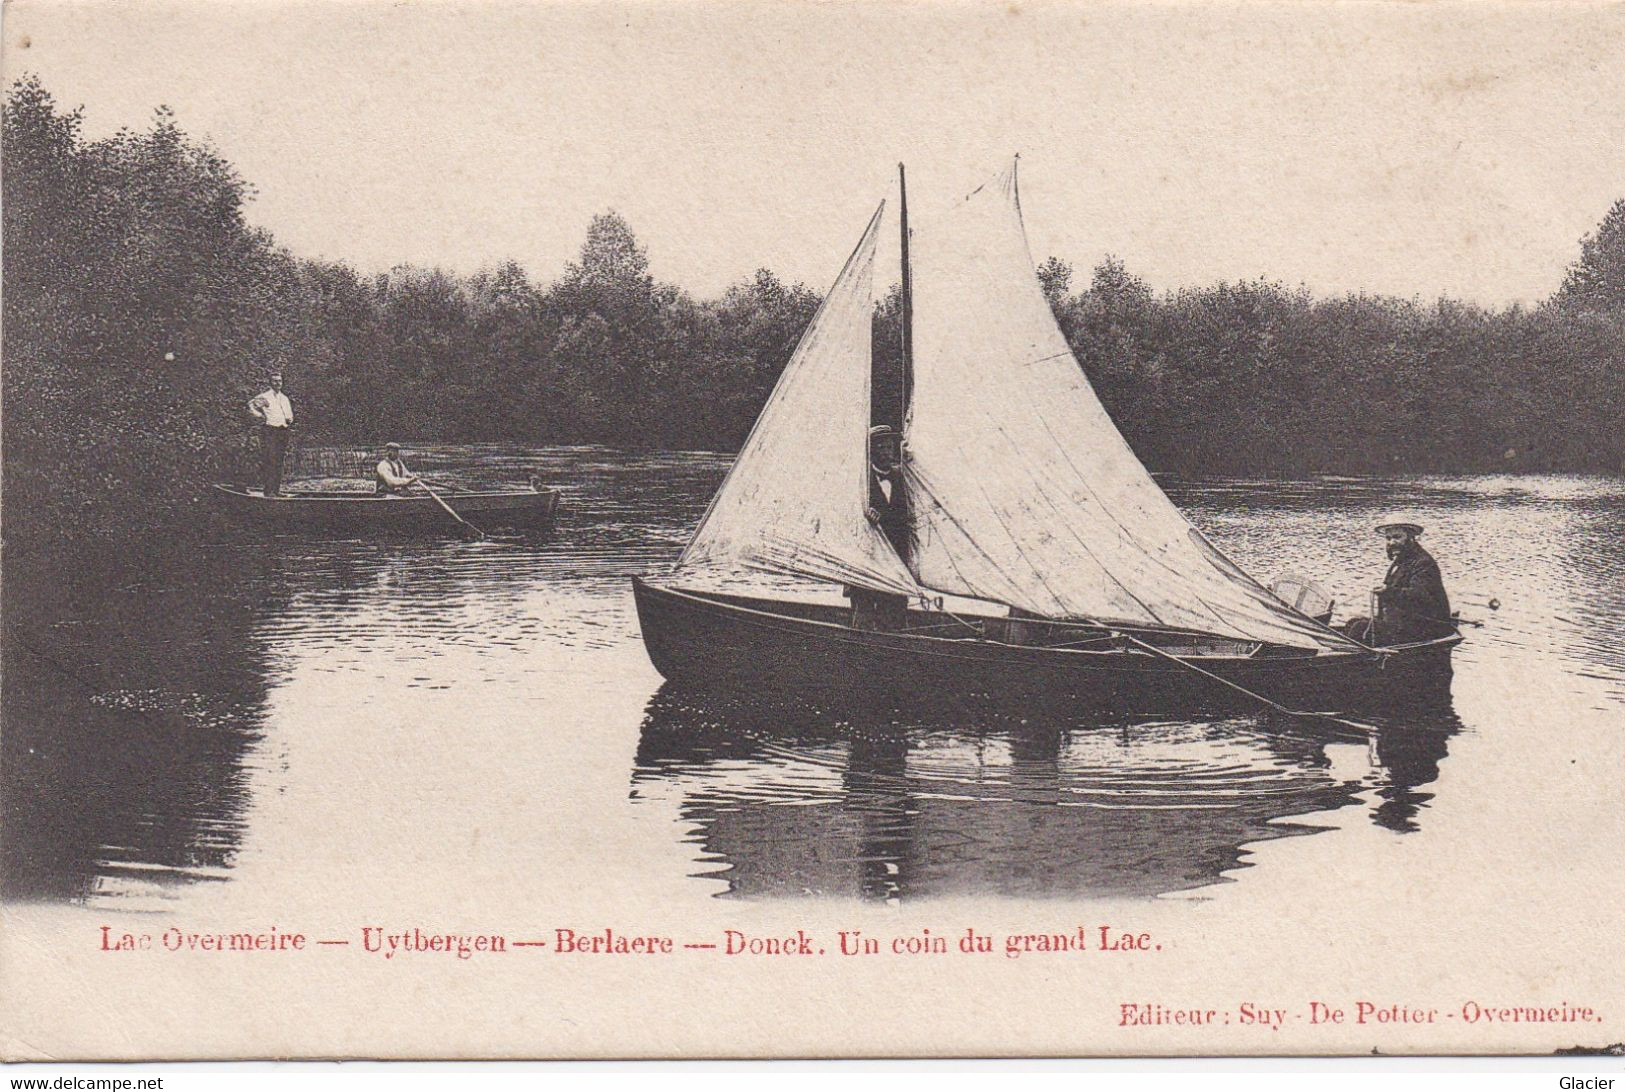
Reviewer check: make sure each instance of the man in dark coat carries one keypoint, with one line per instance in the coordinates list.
(888, 511)
(1411, 604)
(888, 502)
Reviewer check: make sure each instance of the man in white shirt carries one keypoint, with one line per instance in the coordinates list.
(274, 412)
(390, 477)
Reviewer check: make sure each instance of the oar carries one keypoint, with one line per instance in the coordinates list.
(1368, 729)
(441, 501)
(1277, 706)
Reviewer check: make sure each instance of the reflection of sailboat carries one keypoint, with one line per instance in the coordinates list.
(1018, 492)
(794, 801)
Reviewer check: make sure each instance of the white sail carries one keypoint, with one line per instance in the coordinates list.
(1023, 490)
(794, 502)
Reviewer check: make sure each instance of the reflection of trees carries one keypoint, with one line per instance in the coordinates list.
(136, 678)
(129, 707)
(798, 801)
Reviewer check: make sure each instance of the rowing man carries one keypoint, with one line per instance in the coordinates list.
(390, 477)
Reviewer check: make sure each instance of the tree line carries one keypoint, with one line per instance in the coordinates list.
(141, 309)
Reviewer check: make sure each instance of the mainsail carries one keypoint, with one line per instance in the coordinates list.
(794, 503)
(1024, 492)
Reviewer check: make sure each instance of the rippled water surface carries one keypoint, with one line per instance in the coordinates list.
(191, 717)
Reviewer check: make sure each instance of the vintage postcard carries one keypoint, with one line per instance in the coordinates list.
(739, 529)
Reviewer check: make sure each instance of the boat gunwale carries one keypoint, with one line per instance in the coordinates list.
(328, 497)
(1319, 658)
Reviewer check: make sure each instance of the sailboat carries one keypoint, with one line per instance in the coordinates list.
(1037, 560)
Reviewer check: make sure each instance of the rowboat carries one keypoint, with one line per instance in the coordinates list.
(335, 512)
(1025, 554)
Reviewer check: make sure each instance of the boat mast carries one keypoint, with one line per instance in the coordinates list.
(906, 385)
(903, 541)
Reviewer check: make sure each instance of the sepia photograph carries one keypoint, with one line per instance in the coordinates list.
(625, 529)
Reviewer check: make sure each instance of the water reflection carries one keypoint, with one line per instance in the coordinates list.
(125, 750)
(1407, 757)
(145, 705)
(806, 801)
(176, 712)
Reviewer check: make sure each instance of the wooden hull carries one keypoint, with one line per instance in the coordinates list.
(710, 641)
(361, 513)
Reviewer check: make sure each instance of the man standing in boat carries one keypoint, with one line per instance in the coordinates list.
(390, 476)
(1411, 605)
(274, 413)
(889, 511)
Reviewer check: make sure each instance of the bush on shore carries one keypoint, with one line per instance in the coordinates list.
(142, 310)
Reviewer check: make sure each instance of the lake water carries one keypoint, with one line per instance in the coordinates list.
(241, 714)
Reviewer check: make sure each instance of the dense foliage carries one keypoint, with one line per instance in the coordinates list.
(1255, 377)
(141, 311)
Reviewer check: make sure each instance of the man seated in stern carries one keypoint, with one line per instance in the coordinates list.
(390, 477)
(1411, 605)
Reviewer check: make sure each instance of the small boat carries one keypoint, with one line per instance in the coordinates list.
(1037, 559)
(529, 509)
